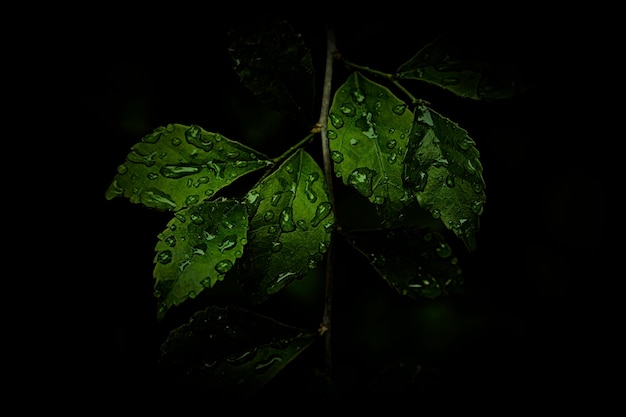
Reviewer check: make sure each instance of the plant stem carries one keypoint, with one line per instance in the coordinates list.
(325, 327)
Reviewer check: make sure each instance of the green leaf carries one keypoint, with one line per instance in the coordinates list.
(275, 64)
(198, 247)
(227, 349)
(178, 166)
(290, 227)
(369, 131)
(448, 65)
(443, 169)
(417, 262)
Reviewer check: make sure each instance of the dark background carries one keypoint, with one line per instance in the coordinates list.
(523, 331)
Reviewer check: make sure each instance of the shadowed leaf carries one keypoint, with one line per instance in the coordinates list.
(443, 169)
(178, 166)
(416, 262)
(230, 349)
(290, 226)
(196, 250)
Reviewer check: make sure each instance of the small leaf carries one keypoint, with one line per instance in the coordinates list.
(290, 227)
(369, 131)
(200, 245)
(448, 65)
(416, 262)
(178, 166)
(275, 64)
(230, 349)
(443, 169)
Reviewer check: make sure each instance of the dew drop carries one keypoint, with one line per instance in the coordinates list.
(122, 169)
(469, 167)
(466, 143)
(170, 241)
(391, 144)
(336, 156)
(152, 137)
(361, 179)
(354, 141)
(192, 199)
(331, 134)
(223, 266)
(286, 220)
(443, 250)
(308, 187)
(178, 171)
(176, 141)
(302, 225)
(228, 243)
(399, 109)
(194, 136)
(336, 120)
(348, 109)
(165, 257)
(321, 212)
(450, 180)
(358, 96)
(206, 283)
(269, 215)
(276, 247)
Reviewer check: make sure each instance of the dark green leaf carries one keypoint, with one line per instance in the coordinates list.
(290, 227)
(198, 247)
(369, 131)
(416, 262)
(227, 349)
(275, 64)
(448, 65)
(178, 166)
(443, 169)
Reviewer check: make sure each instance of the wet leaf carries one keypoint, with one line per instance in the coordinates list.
(197, 249)
(443, 169)
(417, 262)
(447, 64)
(179, 166)
(369, 131)
(228, 349)
(275, 64)
(290, 226)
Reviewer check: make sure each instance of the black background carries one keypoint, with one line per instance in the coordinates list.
(524, 331)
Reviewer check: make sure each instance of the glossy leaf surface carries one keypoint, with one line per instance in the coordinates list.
(230, 348)
(443, 169)
(416, 262)
(196, 250)
(178, 166)
(290, 226)
(368, 131)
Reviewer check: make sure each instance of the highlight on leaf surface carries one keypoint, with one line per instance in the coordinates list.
(275, 64)
(368, 131)
(197, 249)
(178, 166)
(227, 348)
(443, 170)
(417, 262)
(291, 220)
(446, 63)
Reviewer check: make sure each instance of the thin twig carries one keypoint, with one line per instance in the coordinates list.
(325, 327)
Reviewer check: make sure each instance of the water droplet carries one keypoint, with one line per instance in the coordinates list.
(444, 250)
(165, 257)
(228, 242)
(450, 180)
(223, 266)
(358, 96)
(286, 220)
(399, 109)
(206, 283)
(336, 120)
(196, 218)
(322, 211)
(192, 199)
(176, 141)
(276, 198)
(152, 176)
(348, 109)
(308, 186)
(264, 366)
(469, 166)
(153, 137)
(191, 294)
(466, 143)
(157, 199)
(276, 247)
(436, 213)
(137, 157)
(331, 134)
(232, 154)
(336, 156)
(477, 207)
(157, 294)
(269, 215)
(361, 178)
(178, 171)
(354, 141)
(122, 169)
(194, 136)
(302, 225)
(391, 144)
(170, 241)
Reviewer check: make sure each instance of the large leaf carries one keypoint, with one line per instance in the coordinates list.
(416, 262)
(198, 247)
(290, 226)
(443, 169)
(275, 64)
(369, 131)
(230, 349)
(447, 64)
(178, 166)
